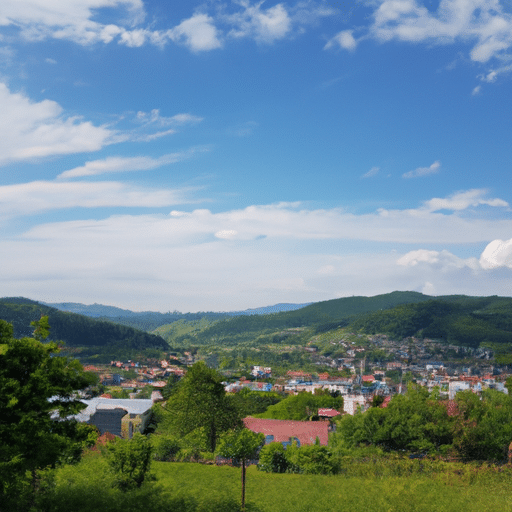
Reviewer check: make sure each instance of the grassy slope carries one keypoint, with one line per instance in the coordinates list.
(188, 487)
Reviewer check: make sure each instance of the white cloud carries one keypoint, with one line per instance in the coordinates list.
(258, 255)
(372, 172)
(154, 118)
(33, 130)
(125, 164)
(497, 254)
(282, 220)
(264, 25)
(198, 33)
(41, 196)
(463, 200)
(442, 259)
(484, 24)
(343, 39)
(423, 171)
(41, 19)
(476, 90)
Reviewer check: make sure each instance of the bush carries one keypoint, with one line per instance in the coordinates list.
(273, 459)
(165, 448)
(130, 459)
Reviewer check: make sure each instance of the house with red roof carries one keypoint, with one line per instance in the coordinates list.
(286, 431)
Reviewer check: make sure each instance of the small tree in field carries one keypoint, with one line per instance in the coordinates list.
(242, 445)
(130, 460)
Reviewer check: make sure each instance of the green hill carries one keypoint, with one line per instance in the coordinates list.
(93, 336)
(461, 320)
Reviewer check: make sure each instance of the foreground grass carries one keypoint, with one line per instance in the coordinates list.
(188, 487)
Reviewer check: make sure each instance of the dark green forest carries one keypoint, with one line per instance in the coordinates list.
(93, 337)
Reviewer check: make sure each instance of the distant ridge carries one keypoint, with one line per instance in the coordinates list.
(100, 310)
(93, 310)
(276, 308)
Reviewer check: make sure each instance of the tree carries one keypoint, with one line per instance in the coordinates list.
(200, 402)
(37, 395)
(130, 459)
(242, 445)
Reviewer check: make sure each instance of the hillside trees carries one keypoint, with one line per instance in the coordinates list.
(37, 394)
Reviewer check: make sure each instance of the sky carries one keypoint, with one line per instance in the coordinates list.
(224, 155)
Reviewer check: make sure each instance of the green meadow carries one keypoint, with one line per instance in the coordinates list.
(370, 485)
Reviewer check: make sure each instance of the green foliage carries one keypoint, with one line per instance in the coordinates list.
(273, 458)
(302, 406)
(37, 394)
(484, 427)
(240, 444)
(311, 459)
(413, 422)
(250, 402)
(97, 336)
(130, 460)
(165, 447)
(468, 321)
(200, 402)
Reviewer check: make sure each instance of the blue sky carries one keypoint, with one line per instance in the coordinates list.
(225, 155)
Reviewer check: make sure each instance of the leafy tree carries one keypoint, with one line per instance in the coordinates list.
(37, 395)
(483, 429)
(242, 445)
(415, 422)
(200, 401)
(130, 459)
(302, 406)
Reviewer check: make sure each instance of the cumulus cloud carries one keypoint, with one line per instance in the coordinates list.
(40, 129)
(497, 254)
(423, 171)
(199, 33)
(344, 39)
(264, 25)
(442, 259)
(41, 19)
(485, 24)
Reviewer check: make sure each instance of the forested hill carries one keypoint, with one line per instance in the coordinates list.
(323, 316)
(75, 330)
(456, 319)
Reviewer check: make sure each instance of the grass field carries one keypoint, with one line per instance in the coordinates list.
(185, 487)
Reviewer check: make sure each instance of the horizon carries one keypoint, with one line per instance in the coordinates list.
(218, 156)
(305, 304)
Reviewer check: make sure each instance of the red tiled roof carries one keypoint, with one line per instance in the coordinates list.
(329, 413)
(305, 431)
(384, 404)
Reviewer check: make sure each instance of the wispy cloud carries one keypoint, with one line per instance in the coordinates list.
(372, 172)
(40, 196)
(126, 164)
(423, 171)
(463, 200)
